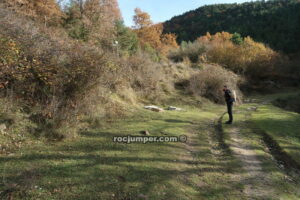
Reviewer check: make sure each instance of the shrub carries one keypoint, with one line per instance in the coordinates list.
(144, 76)
(17, 124)
(192, 51)
(153, 53)
(210, 80)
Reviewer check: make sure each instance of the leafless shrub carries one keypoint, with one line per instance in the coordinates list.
(210, 80)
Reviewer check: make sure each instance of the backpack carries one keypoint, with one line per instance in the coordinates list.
(234, 95)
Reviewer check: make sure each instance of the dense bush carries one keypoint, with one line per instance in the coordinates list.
(48, 71)
(54, 85)
(210, 80)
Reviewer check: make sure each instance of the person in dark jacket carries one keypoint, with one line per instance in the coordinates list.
(229, 101)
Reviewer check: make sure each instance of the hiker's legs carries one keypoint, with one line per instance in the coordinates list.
(229, 110)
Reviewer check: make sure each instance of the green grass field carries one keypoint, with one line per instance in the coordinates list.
(92, 166)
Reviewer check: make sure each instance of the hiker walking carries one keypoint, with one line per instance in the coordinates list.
(229, 98)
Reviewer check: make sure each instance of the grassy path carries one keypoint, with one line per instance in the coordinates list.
(264, 176)
(207, 166)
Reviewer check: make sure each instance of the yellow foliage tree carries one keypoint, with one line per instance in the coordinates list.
(251, 58)
(141, 19)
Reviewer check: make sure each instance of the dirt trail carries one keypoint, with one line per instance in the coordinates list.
(255, 180)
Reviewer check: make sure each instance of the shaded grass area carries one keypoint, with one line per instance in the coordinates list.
(291, 103)
(93, 167)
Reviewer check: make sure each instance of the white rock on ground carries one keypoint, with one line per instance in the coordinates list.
(154, 108)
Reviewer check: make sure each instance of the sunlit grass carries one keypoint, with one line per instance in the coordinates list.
(282, 125)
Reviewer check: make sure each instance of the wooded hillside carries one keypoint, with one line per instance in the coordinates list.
(276, 22)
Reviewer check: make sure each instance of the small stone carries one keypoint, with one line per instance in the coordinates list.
(145, 132)
(154, 108)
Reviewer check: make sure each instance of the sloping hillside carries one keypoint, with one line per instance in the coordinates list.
(273, 22)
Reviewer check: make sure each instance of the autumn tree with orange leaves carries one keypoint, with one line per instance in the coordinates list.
(47, 11)
(152, 34)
